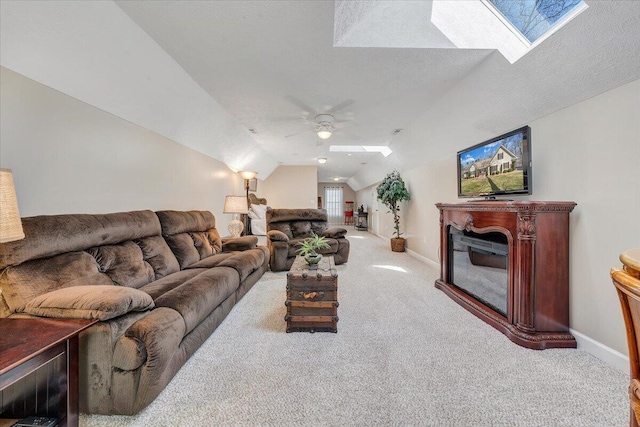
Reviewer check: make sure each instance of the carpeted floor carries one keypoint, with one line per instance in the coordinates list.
(404, 354)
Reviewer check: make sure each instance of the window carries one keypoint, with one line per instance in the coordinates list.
(333, 204)
(500, 156)
(536, 18)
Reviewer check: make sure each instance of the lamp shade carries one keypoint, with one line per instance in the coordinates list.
(10, 223)
(248, 174)
(235, 205)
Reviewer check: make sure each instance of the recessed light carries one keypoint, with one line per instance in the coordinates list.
(322, 160)
(336, 178)
(349, 154)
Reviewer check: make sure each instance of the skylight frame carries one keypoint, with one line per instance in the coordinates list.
(382, 149)
(581, 7)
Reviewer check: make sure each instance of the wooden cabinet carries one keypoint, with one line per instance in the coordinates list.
(39, 368)
(312, 296)
(536, 306)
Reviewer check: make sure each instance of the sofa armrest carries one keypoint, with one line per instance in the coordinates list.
(277, 236)
(334, 233)
(239, 243)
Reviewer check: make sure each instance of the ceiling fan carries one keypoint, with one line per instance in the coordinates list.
(324, 124)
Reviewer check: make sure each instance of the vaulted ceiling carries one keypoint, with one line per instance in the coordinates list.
(267, 63)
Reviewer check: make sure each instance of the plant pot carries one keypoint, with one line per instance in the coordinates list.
(313, 259)
(397, 244)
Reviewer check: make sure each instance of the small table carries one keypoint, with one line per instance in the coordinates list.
(312, 296)
(39, 366)
(361, 221)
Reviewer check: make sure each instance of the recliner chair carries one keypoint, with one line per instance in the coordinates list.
(287, 227)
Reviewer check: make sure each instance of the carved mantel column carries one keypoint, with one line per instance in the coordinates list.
(525, 295)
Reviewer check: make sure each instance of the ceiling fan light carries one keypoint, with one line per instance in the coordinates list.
(324, 134)
(322, 160)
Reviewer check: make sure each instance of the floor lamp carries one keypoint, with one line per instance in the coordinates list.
(248, 176)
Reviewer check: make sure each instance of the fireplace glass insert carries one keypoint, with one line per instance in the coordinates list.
(478, 265)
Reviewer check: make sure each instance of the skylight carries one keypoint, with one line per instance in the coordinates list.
(534, 19)
(382, 149)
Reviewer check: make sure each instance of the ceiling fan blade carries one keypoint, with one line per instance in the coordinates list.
(290, 119)
(299, 133)
(350, 135)
(304, 107)
(344, 124)
(342, 105)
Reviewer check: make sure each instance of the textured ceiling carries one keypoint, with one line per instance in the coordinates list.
(252, 56)
(258, 59)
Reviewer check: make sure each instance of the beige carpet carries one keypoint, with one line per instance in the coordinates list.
(404, 354)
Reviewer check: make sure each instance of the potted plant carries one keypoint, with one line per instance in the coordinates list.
(391, 192)
(309, 247)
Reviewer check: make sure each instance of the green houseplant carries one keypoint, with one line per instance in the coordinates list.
(309, 246)
(391, 192)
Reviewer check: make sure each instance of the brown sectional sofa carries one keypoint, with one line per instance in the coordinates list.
(159, 282)
(286, 228)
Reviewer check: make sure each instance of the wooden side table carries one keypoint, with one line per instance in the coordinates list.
(39, 368)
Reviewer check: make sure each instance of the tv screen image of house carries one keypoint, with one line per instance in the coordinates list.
(499, 166)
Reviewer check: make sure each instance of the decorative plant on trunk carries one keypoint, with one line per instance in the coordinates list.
(309, 246)
(391, 192)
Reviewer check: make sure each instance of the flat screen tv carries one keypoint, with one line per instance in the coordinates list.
(500, 166)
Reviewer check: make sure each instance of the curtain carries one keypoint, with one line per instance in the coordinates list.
(333, 204)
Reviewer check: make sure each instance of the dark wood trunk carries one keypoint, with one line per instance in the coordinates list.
(312, 297)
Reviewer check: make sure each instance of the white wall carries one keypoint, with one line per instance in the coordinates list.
(70, 157)
(588, 153)
(292, 187)
(93, 51)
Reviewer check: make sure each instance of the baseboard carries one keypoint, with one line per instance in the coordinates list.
(602, 352)
(423, 259)
(606, 354)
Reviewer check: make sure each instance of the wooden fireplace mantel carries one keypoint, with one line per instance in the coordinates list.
(538, 275)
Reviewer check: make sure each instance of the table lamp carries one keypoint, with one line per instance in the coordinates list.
(235, 205)
(10, 223)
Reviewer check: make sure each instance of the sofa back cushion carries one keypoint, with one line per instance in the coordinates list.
(60, 251)
(297, 223)
(50, 235)
(124, 264)
(192, 236)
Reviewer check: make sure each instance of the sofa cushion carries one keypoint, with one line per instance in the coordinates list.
(157, 253)
(283, 227)
(89, 302)
(277, 236)
(172, 281)
(124, 264)
(212, 261)
(286, 215)
(335, 232)
(21, 283)
(175, 222)
(318, 227)
(245, 262)
(51, 235)
(183, 248)
(240, 243)
(196, 298)
(201, 243)
(301, 229)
